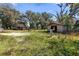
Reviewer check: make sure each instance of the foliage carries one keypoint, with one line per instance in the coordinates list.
(8, 15)
(38, 18)
(67, 14)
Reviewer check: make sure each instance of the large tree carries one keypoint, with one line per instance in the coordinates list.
(31, 16)
(8, 15)
(38, 18)
(67, 14)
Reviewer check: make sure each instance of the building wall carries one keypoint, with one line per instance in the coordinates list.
(60, 28)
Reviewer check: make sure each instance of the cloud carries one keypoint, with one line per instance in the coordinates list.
(8, 5)
(14, 4)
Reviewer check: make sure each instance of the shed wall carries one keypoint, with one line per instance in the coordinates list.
(60, 28)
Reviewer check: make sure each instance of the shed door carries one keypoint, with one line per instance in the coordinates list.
(54, 28)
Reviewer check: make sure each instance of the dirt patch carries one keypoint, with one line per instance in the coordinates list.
(15, 34)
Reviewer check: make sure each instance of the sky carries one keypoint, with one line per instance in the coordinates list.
(37, 7)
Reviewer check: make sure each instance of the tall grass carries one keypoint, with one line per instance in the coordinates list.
(40, 43)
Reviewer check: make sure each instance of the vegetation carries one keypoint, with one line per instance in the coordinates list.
(40, 43)
(67, 14)
(9, 16)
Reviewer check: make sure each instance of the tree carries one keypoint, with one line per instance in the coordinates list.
(66, 14)
(45, 19)
(63, 11)
(29, 15)
(73, 12)
(8, 15)
(37, 19)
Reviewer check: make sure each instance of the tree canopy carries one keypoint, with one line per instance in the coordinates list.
(66, 15)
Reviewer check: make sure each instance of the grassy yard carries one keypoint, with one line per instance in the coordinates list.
(39, 43)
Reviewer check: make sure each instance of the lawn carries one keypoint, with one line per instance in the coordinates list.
(38, 43)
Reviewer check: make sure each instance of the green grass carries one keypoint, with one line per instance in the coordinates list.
(39, 43)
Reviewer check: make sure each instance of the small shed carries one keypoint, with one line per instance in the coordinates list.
(21, 26)
(56, 27)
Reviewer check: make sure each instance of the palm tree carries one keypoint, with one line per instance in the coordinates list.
(66, 14)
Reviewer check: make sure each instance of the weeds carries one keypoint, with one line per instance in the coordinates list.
(40, 44)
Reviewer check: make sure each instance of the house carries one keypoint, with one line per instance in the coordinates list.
(20, 26)
(56, 27)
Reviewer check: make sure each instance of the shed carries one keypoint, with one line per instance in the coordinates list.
(56, 27)
(21, 26)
